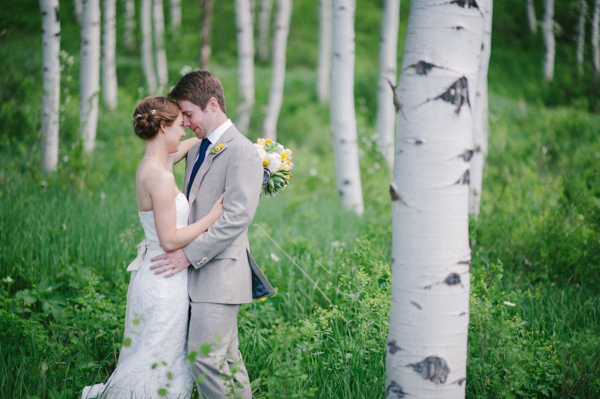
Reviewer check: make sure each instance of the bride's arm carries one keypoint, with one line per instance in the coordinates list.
(165, 215)
(184, 148)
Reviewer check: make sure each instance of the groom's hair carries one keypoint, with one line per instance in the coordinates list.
(198, 87)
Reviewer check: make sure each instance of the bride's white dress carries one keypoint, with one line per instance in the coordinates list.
(153, 360)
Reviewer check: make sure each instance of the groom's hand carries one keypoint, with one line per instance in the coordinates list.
(175, 261)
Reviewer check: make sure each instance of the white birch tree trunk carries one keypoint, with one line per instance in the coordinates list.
(531, 17)
(51, 75)
(281, 30)
(549, 42)
(480, 114)
(429, 317)
(109, 44)
(159, 44)
(388, 69)
(147, 53)
(78, 9)
(581, 35)
(324, 61)
(264, 22)
(129, 31)
(343, 116)
(207, 7)
(90, 73)
(245, 44)
(175, 15)
(596, 41)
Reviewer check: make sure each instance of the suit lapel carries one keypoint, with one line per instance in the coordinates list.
(205, 167)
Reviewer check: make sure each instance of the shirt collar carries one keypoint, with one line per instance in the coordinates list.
(218, 132)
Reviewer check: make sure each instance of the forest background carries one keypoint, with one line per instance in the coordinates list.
(66, 237)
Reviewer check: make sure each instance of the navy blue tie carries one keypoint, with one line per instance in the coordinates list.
(203, 147)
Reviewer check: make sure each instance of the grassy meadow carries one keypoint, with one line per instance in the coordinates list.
(66, 237)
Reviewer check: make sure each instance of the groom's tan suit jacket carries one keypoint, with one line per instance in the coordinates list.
(223, 269)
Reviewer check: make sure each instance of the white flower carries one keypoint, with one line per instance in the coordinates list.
(8, 280)
(508, 303)
(261, 150)
(274, 257)
(313, 172)
(102, 195)
(275, 162)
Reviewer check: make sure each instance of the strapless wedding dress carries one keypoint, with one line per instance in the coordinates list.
(153, 362)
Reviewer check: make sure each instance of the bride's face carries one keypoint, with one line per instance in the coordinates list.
(174, 134)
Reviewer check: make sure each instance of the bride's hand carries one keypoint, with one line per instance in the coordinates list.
(218, 208)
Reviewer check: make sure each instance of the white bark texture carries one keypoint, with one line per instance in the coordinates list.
(596, 41)
(343, 116)
(90, 72)
(531, 17)
(429, 316)
(78, 9)
(159, 44)
(147, 53)
(207, 7)
(281, 29)
(175, 15)
(109, 44)
(129, 31)
(324, 61)
(264, 22)
(480, 114)
(549, 41)
(581, 35)
(51, 76)
(388, 69)
(245, 44)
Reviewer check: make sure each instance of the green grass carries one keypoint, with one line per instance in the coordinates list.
(66, 237)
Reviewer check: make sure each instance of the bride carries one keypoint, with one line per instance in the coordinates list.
(152, 362)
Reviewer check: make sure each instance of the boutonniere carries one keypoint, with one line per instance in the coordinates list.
(215, 150)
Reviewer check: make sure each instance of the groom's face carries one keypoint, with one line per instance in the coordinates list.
(199, 121)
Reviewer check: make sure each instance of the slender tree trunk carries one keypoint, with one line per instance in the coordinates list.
(206, 31)
(78, 9)
(429, 317)
(264, 22)
(175, 15)
(324, 61)
(90, 72)
(549, 42)
(581, 35)
(282, 27)
(343, 116)
(596, 42)
(109, 67)
(480, 114)
(147, 53)
(159, 42)
(245, 42)
(51, 94)
(388, 69)
(531, 17)
(129, 31)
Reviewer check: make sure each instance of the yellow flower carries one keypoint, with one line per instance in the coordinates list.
(283, 155)
(287, 152)
(220, 146)
(260, 141)
(287, 177)
(285, 168)
(266, 162)
(268, 141)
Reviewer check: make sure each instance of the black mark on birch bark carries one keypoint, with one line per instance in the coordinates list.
(461, 381)
(416, 305)
(465, 3)
(397, 103)
(457, 94)
(57, 14)
(422, 67)
(393, 348)
(465, 178)
(346, 182)
(467, 155)
(395, 389)
(459, 28)
(432, 368)
(453, 279)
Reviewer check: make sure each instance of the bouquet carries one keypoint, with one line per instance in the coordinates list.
(277, 164)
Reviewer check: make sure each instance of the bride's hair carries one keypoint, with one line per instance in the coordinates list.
(150, 113)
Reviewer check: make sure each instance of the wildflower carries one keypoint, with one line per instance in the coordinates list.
(274, 257)
(508, 303)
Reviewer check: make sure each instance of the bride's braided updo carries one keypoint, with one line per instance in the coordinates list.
(150, 113)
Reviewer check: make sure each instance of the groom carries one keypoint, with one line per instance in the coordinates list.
(224, 274)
